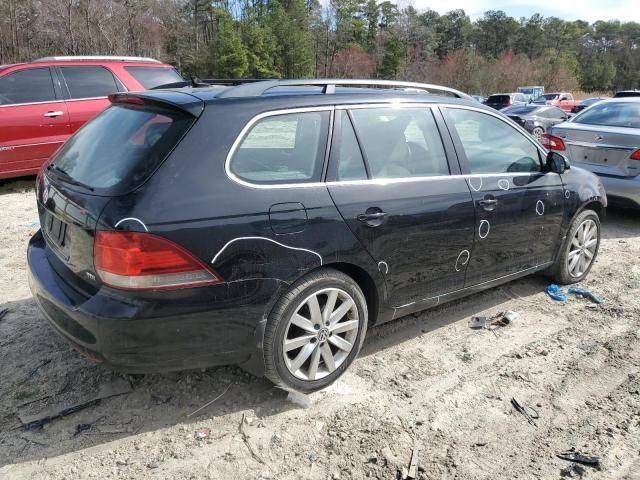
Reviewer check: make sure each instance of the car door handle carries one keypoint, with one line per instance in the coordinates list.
(488, 204)
(366, 217)
(57, 113)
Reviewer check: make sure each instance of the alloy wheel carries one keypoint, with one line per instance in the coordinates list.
(583, 248)
(320, 334)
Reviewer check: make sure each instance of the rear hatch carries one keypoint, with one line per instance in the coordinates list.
(111, 155)
(603, 150)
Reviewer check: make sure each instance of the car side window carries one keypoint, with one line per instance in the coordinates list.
(400, 142)
(554, 113)
(27, 86)
(491, 145)
(89, 81)
(287, 148)
(350, 160)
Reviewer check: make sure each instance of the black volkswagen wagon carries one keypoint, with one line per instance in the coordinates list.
(270, 224)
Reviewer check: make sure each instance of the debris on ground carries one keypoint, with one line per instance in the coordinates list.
(106, 390)
(527, 412)
(560, 294)
(82, 427)
(245, 438)
(208, 403)
(477, 322)
(501, 319)
(202, 433)
(3, 312)
(413, 464)
(572, 455)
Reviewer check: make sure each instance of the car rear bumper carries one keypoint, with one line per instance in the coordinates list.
(196, 328)
(622, 191)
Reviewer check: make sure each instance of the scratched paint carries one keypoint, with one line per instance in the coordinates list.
(540, 207)
(459, 264)
(131, 219)
(473, 185)
(504, 184)
(383, 267)
(484, 228)
(266, 240)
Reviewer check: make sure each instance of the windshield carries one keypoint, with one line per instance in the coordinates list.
(121, 147)
(151, 77)
(520, 110)
(611, 114)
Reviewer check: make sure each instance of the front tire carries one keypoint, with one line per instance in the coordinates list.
(537, 133)
(579, 249)
(315, 331)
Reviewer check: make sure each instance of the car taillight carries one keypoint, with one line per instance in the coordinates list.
(506, 104)
(552, 143)
(635, 155)
(143, 261)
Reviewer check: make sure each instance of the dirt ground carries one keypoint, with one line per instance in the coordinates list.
(427, 382)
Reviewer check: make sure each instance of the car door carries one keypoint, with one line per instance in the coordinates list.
(86, 88)
(34, 121)
(518, 203)
(391, 179)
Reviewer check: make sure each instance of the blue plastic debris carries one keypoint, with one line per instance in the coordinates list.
(555, 292)
(582, 292)
(560, 294)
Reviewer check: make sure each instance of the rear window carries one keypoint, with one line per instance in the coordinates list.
(611, 114)
(152, 77)
(499, 99)
(117, 150)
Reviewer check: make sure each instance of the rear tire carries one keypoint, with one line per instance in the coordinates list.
(579, 249)
(315, 331)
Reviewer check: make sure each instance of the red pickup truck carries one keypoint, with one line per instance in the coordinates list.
(42, 103)
(563, 100)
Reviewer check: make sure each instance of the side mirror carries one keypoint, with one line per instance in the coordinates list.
(557, 163)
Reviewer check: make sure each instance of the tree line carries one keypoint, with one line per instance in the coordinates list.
(344, 38)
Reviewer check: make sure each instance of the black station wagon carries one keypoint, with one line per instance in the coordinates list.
(270, 224)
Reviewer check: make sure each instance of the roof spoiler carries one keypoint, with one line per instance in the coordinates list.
(174, 100)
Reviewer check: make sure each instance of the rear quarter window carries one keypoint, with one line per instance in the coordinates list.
(283, 148)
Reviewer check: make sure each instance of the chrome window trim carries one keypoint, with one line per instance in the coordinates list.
(602, 146)
(30, 103)
(243, 133)
(12, 147)
(373, 181)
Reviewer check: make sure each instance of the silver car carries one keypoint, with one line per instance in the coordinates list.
(605, 139)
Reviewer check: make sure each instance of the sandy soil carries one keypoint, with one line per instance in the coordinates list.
(425, 381)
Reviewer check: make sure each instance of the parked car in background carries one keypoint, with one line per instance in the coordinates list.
(499, 101)
(42, 103)
(627, 93)
(479, 98)
(532, 91)
(605, 139)
(536, 119)
(563, 100)
(585, 103)
(271, 224)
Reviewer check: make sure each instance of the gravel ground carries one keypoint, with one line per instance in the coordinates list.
(425, 382)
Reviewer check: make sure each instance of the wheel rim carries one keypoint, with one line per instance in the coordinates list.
(582, 250)
(537, 133)
(320, 334)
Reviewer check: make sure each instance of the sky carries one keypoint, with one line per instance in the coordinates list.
(588, 10)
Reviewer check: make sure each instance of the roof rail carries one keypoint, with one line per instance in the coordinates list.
(255, 89)
(97, 58)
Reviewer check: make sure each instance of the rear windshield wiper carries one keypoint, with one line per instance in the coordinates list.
(67, 178)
